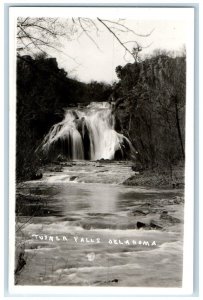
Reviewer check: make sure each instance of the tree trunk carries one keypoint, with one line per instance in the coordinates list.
(178, 127)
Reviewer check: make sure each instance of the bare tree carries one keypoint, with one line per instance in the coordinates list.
(42, 34)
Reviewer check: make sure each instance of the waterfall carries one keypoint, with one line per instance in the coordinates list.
(87, 133)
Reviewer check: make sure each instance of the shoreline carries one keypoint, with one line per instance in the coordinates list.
(161, 178)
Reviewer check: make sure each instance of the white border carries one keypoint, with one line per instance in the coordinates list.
(12, 143)
(138, 13)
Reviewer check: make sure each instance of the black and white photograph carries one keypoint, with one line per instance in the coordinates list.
(100, 124)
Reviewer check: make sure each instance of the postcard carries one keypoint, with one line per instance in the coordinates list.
(101, 150)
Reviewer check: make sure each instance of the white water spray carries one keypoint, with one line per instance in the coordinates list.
(87, 133)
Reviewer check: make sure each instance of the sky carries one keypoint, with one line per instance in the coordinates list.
(171, 29)
(82, 59)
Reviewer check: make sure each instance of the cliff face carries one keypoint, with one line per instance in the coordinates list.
(150, 108)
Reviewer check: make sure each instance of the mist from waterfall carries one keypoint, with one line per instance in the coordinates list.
(87, 133)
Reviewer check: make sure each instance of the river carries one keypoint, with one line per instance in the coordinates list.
(79, 225)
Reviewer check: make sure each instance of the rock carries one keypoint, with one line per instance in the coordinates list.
(146, 204)
(55, 169)
(178, 200)
(114, 280)
(137, 168)
(69, 165)
(138, 212)
(73, 178)
(106, 282)
(154, 225)
(86, 226)
(36, 176)
(141, 225)
(130, 181)
(61, 158)
(164, 216)
(177, 185)
(20, 262)
(164, 213)
(103, 160)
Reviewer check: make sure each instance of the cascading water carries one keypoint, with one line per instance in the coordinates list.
(87, 133)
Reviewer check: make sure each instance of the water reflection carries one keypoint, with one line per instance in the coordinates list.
(98, 198)
(84, 199)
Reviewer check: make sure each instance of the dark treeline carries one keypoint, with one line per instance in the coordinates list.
(149, 106)
(43, 91)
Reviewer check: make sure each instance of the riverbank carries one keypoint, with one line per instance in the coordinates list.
(163, 178)
(106, 171)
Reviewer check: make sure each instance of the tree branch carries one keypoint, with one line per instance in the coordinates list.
(88, 35)
(120, 42)
(128, 29)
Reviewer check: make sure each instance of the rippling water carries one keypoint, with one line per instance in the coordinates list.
(81, 227)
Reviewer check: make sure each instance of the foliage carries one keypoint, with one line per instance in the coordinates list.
(150, 108)
(43, 91)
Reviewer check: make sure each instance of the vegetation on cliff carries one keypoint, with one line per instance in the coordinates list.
(150, 109)
(43, 92)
